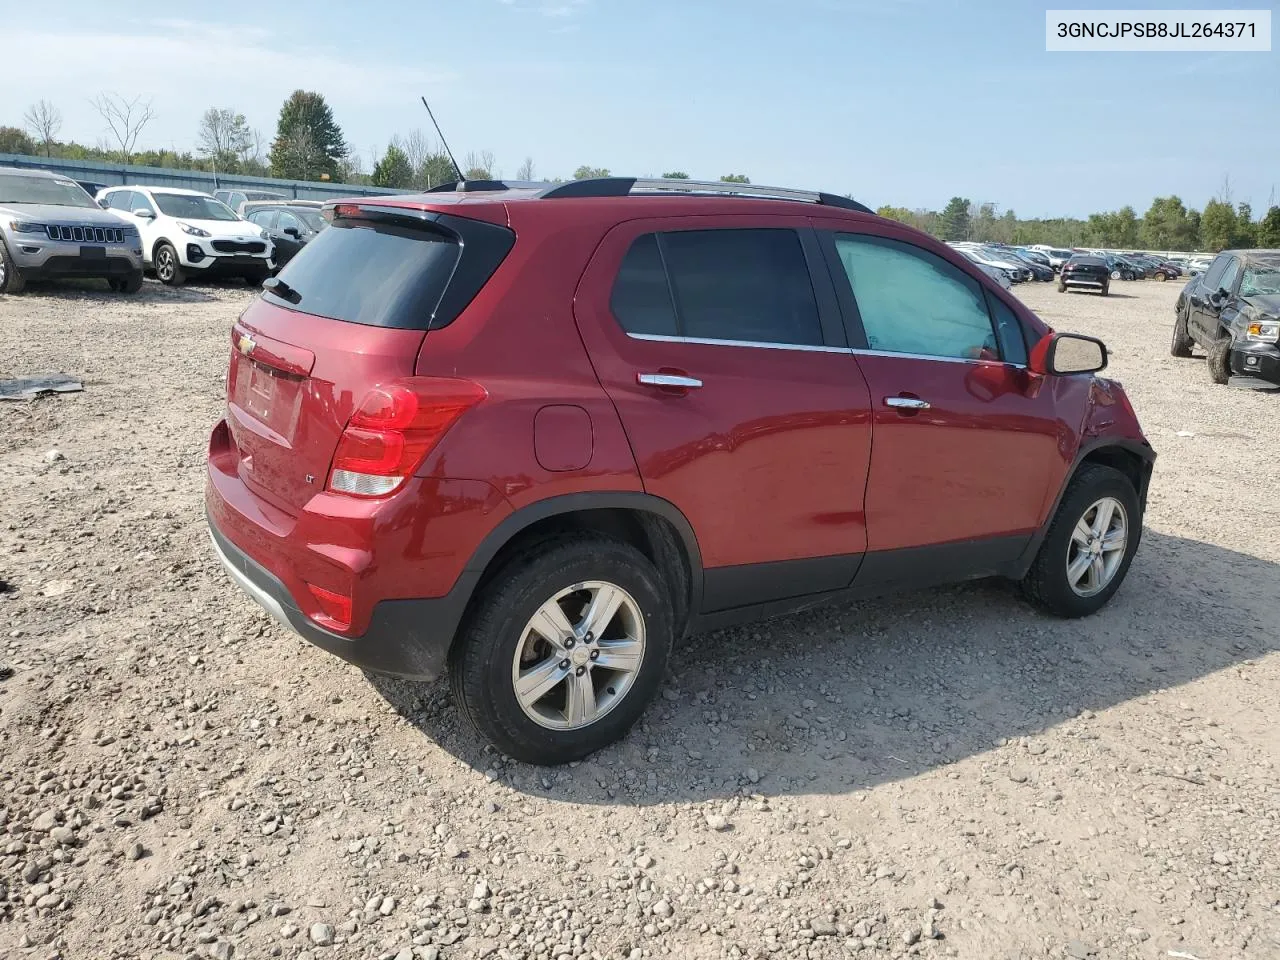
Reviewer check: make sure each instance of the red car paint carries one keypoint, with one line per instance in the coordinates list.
(783, 455)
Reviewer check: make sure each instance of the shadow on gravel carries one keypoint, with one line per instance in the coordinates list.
(851, 696)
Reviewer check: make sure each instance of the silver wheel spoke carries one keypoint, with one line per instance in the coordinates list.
(1082, 534)
(536, 682)
(1102, 517)
(1114, 541)
(622, 655)
(551, 624)
(1096, 571)
(604, 604)
(1078, 568)
(580, 704)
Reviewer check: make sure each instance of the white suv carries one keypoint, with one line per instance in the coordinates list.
(187, 233)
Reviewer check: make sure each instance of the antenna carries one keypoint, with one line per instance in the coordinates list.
(462, 178)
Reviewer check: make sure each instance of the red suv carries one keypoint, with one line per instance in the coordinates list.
(535, 435)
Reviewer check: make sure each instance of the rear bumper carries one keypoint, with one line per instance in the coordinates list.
(405, 638)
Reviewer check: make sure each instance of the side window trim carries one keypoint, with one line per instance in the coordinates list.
(853, 318)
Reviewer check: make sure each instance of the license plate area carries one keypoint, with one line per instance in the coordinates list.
(93, 253)
(269, 397)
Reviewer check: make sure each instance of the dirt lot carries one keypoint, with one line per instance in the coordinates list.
(941, 774)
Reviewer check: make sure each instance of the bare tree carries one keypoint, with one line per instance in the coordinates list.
(479, 166)
(125, 119)
(44, 120)
(251, 154)
(525, 170)
(223, 136)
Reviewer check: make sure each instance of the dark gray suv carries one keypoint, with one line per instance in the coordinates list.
(49, 227)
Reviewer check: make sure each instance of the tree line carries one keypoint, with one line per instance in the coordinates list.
(310, 145)
(1167, 225)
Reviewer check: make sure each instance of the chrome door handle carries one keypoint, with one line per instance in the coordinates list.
(906, 403)
(668, 380)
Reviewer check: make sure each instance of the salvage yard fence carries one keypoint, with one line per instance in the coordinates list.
(117, 174)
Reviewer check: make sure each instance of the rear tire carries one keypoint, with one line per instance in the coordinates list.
(1182, 342)
(168, 266)
(502, 640)
(1049, 583)
(1220, 360)
(11, 279)
(1105, 291)
(1062, 287)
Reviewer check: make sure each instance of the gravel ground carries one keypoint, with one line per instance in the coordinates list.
(940, 774)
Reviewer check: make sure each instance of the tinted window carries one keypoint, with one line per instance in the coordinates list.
(381, 275)
(641, 299)
(913, 302)
(1013, 344)
(1228, 280)
(288, 220)
(748, 285)
(139, 201)
(1214, 273)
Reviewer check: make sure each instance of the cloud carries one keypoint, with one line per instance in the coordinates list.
(552, 9)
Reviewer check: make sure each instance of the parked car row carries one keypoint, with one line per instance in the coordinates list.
(51, 226)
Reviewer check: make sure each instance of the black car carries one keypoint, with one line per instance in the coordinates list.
(1085, 272)
(290, 225)
(1232, 310)
(1121, 268)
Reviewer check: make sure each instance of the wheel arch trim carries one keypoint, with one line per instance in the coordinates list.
(1143, 451)
(565, 504)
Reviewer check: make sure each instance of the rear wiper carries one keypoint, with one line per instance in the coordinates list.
(277, 287)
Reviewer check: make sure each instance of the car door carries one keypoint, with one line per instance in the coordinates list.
(288, 234)
(1216, 300)
(148, 227)
(1202, 315)
(965, 438)
(724, 355)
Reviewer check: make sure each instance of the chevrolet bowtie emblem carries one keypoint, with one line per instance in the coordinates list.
(246, 343)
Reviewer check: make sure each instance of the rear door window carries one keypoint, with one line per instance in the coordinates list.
(741, 285)
(380, 275)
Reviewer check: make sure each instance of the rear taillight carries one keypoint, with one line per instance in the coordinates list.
(394, 429)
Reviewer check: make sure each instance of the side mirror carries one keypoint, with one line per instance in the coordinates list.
(1063, 354)
(144, 214)
(103, 205)
(293, 232)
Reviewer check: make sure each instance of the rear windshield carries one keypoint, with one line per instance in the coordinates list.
(379, 275)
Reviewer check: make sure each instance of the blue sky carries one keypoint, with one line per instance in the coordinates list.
(907, 102)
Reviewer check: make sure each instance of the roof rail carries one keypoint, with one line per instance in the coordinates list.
(485, 186)
(627, 186)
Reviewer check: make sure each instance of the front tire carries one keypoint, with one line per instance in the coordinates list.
(565, 648)
(1220, 359)
(1086, 554)
(130, 284)
(168, 266)
(11, 279)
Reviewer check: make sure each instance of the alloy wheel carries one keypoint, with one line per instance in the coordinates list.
(578, 656)
(164, 265)
(1096, 549)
